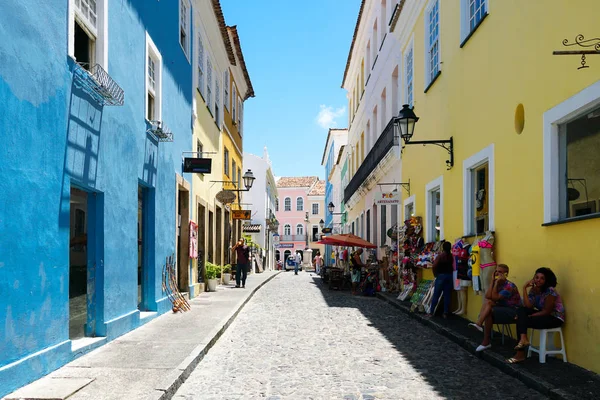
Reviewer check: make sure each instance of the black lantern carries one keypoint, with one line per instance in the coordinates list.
(321, 224)
(330, 207)
(405, 123)
(248, 179)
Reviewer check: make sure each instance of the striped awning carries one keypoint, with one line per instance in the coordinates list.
(251, 228)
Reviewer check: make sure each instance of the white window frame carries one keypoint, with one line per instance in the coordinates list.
(299, 229)
(218, 107)
(465, 18)
(407, 201)
(226, 90)
(582, 102)
(287, 230)
(300, 204)
(226, 160)
(429, 75)
(209, 90)
(434, 185)
(200, 71)
(312, 208)
(486, 155)
(285, 201)
(187, 18)
(99, 32)
(410, 50)
(152, 51)
(233, 170)
(233, 103)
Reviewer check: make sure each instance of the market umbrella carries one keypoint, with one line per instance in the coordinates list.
(347, 239)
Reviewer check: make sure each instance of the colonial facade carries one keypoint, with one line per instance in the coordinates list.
(316, 213)
(523, 160)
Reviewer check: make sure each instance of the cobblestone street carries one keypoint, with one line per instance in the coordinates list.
(297, 340)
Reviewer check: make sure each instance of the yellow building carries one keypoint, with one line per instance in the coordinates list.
(526, 134)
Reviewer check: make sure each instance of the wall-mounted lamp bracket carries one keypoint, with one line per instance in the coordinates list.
(405, 185)
(580, 41)
(448, 145)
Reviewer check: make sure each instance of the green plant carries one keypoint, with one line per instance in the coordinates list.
(227, 269)
(211, 270)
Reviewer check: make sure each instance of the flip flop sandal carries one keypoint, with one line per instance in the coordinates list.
(522, 346)
(513, 360)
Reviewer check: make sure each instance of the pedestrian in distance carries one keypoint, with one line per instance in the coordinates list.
(298, 261)
(318, 263)
(357, 266)
(241, 270)
(442, 270)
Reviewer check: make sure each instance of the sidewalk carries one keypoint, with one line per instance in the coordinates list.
(555, 379)
(152, 361)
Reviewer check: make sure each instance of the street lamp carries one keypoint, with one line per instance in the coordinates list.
(331, 207)
(321, 224)
(404, 128)
(248, 180)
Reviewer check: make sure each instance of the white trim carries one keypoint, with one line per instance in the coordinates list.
(435, 184)
(484, 156)
(301, 198)
(428, 79)
(410, 46)
(152, 50)
(569, 109)
(312, 207)
(465, 28)
(100, 32)
(284, 199)
(407, 201)
(188, 36)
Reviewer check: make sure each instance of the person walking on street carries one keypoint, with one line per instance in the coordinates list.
(318, 263)
(357, 265)
(298, 261)
(241, 270)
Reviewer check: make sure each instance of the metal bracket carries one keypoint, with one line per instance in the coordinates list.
(196, 154)
(580, 41)
(405, 185)
(448, 145)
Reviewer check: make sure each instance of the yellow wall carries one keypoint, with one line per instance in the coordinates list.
(508, 61)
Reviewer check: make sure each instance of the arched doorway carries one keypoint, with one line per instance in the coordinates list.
(277, 255)
(286, 254)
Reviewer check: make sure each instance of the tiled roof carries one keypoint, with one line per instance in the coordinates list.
(318, 189)
(296, 181)
(240, 55)
(223, 28)
(251, 228)
(362, 6)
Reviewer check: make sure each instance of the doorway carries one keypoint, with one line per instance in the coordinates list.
(143, 237)
(227, 258)
(85, 217)
(201, 239)
(219, 236)
(183, 238)
(211, 242)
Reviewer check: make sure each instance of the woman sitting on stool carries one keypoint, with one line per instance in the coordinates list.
(542, 309)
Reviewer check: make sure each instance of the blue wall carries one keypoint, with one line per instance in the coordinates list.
(55, 136)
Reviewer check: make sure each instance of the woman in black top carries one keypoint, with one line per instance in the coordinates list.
(442, 270)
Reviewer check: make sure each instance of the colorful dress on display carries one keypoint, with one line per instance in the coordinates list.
(460, 251)
(475, 268)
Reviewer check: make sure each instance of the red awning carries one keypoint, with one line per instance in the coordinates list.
(346, 239)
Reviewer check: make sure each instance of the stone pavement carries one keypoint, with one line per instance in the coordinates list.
(151, 361)
(297, 340)
(555, 378)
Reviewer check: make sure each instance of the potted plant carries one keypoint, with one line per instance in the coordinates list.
(211, 276)
(226, 274)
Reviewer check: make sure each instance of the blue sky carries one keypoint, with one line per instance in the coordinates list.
(296, 53)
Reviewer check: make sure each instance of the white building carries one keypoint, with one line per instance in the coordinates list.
(261, 200)
(377, 86)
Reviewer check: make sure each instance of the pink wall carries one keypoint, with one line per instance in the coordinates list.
(292, 217)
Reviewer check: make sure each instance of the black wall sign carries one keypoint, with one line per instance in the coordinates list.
(197, 165)
(326, 230)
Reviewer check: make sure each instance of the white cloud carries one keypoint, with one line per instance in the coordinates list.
(328, 116)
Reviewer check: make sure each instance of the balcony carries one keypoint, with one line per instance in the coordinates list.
(292, 238)
(99, 85)
(384, 144)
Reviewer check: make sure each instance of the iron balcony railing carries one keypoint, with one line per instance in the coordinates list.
(99, 84)
(292, 238)
(382, 146)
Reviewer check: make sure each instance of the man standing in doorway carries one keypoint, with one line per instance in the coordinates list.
(241, 270)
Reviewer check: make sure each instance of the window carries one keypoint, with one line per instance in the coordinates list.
(299, 229)
(239, 180)
(315, 233)
(409, 75)
(226, 90)
(362, 146)
(383, 230)
(383, 20)
(209, 85)
(472, 13)
(226, 161)
(153, 81)
(362, 225)
(287, 204)
(315, 208)
(184, 23)
(217, 102)
(287, 229)
(299, 204)
(88, 39)
(579, 165)
(478, 195)
(353, 228)
(233, 104)
(277, 204)
(368, 225)
(409, 207)
(383, 109)
(434, 210)
(394, 214)
(200, 66)
(375, 41)
(241, 117)
(233, 166)
(369, 58)
(432, 42)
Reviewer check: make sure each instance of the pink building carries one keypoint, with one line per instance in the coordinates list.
(293, 204)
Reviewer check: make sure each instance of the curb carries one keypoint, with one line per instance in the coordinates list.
(185, 369)
(530, 380)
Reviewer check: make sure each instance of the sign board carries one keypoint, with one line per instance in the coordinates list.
(387, 198)
(326, 230)
(286, 245)
(276, 238)
(241, 214)
(197, 165)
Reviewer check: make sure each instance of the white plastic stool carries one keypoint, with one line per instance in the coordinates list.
(543, 350)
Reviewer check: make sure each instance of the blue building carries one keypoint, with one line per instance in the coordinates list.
(95, 113)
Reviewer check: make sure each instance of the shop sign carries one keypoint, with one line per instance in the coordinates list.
(197, 165)
(326, 230)
(241, 214)
(286, 245)
(387, 198)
